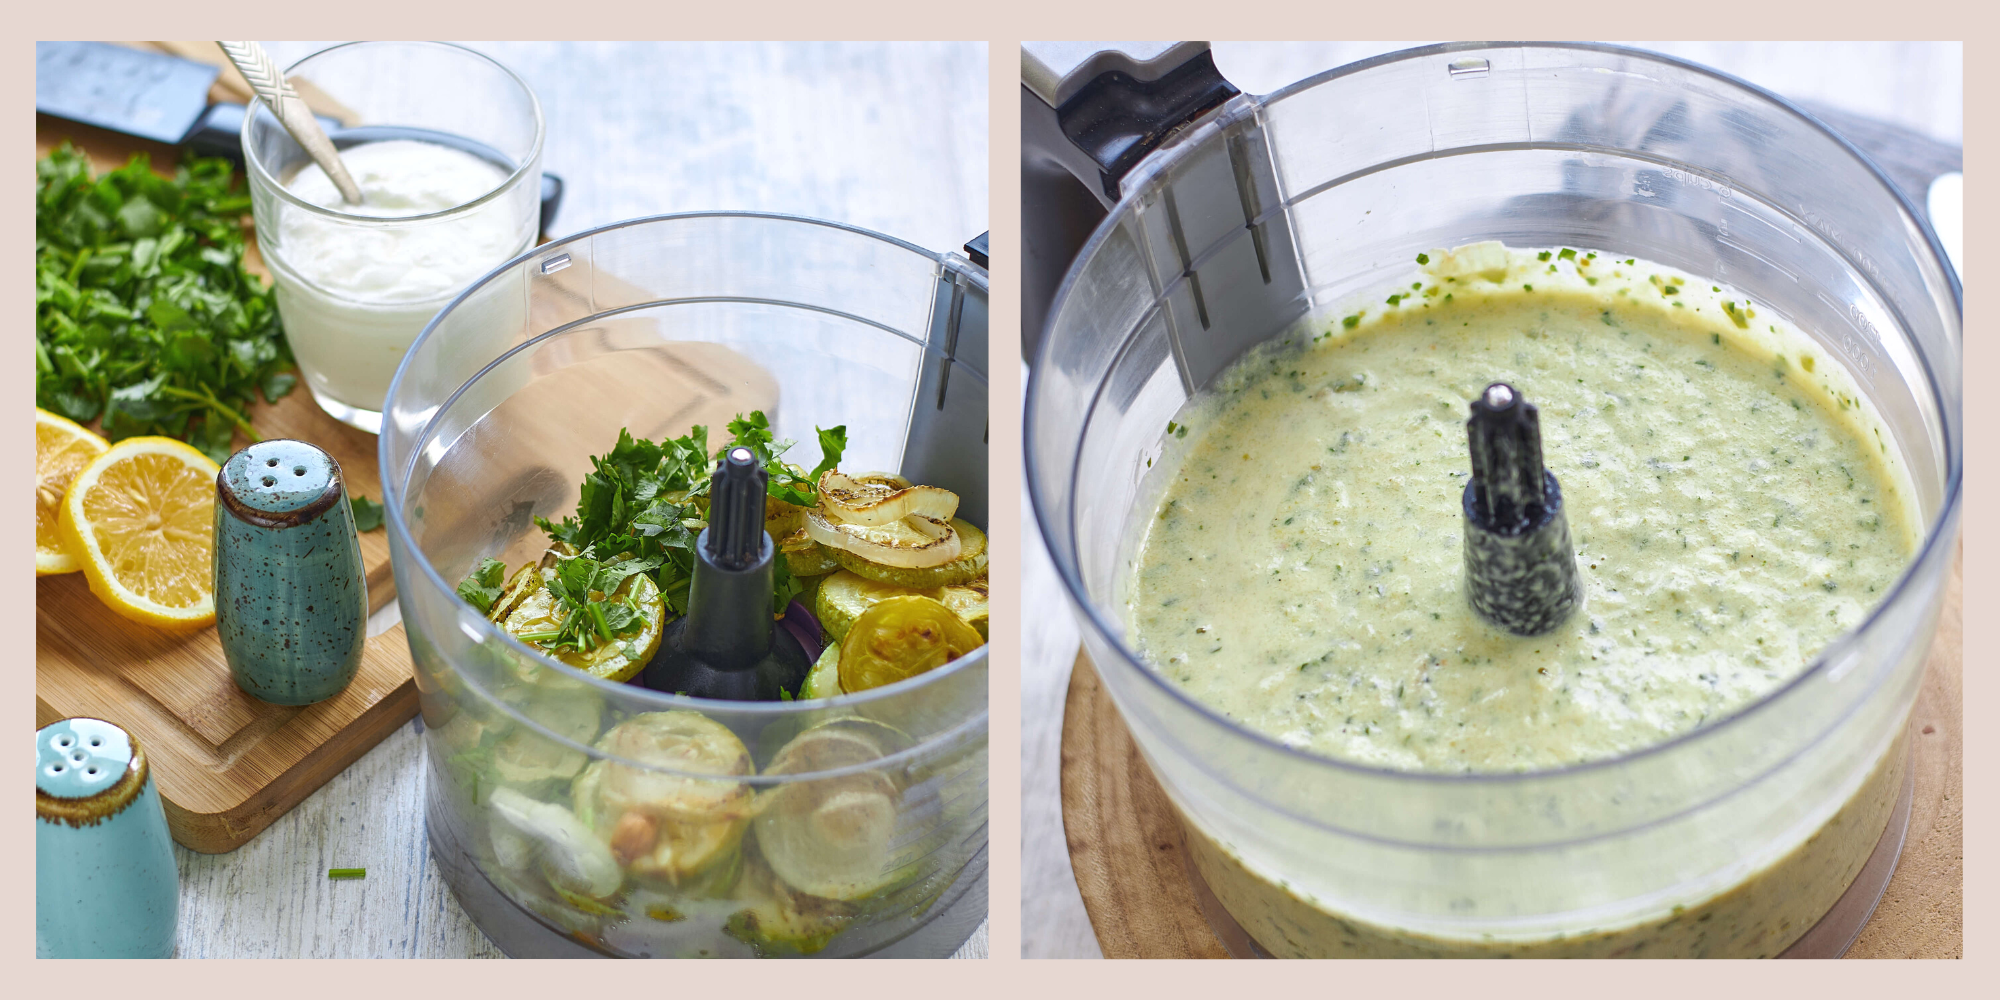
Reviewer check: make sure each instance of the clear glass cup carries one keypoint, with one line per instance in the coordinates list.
(1731, 840)
(855, 825)
(354, 289)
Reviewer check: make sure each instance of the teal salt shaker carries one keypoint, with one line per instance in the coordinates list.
(291, 602)
(105, 883)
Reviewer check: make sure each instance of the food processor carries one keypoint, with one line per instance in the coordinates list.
(1229, 219)
(839, 827)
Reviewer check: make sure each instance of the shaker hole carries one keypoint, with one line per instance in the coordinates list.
(96, 741)
(273, 463)
(298, 470)
(91, 771)
(269, 481)
(58, 769)
(65, 742)
(79, 756)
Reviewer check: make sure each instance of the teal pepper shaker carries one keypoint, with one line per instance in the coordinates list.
(291, 601)
(105, 882)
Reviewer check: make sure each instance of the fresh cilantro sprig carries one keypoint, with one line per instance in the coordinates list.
(484, 585)
(145, 316)
(754, 432)
(644, 498)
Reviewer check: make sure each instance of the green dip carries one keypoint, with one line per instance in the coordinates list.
(1733, 503)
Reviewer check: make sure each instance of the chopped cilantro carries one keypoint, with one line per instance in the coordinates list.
(145, 317)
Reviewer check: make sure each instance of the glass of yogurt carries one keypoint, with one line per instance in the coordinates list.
(446, 146)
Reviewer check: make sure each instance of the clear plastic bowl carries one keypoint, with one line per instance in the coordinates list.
(1731, 840)
(869, 832)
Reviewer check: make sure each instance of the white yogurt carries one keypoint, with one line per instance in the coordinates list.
(353, 293)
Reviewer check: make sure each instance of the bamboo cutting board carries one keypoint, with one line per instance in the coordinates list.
(226, 764)
(1125, 841)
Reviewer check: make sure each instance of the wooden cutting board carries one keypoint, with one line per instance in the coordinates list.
(226, 764)
(1125, 841)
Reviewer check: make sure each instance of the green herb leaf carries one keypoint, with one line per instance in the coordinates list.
(367, 513)
(345, 873)
(484, 585)
(645, 499)
(832, 444)
(145, 317)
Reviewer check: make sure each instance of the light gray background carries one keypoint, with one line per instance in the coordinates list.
(1918, 85)
(888, 137)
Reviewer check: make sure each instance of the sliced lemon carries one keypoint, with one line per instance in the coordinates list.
(62, 449)
(140, 518)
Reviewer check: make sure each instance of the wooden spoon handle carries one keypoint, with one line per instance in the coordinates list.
(270, 85)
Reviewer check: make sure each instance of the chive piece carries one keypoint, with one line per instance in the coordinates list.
(1567, 254)
(1423, 258)
(1544, 255)
(1352, 321)
(344, 873)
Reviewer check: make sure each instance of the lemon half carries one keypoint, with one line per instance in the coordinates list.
(62, 449)
(140, 518)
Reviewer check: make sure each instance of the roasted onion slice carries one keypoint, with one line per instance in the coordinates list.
(914, 542)
(876, 500)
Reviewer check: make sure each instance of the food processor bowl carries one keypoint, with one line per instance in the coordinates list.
(577, 816)
(1733, 839)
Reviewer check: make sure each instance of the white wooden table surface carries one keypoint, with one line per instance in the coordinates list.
(1918, 85)
(889, 137)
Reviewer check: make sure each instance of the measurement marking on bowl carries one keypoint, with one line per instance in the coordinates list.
(555, 263)
(1469, 68)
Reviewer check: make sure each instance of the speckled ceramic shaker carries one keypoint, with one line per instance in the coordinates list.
(291, 602)
(105, 883)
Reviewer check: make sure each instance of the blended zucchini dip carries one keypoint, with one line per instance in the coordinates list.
(1733, 504)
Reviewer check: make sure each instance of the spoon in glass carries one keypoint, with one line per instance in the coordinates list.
(285, 102)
